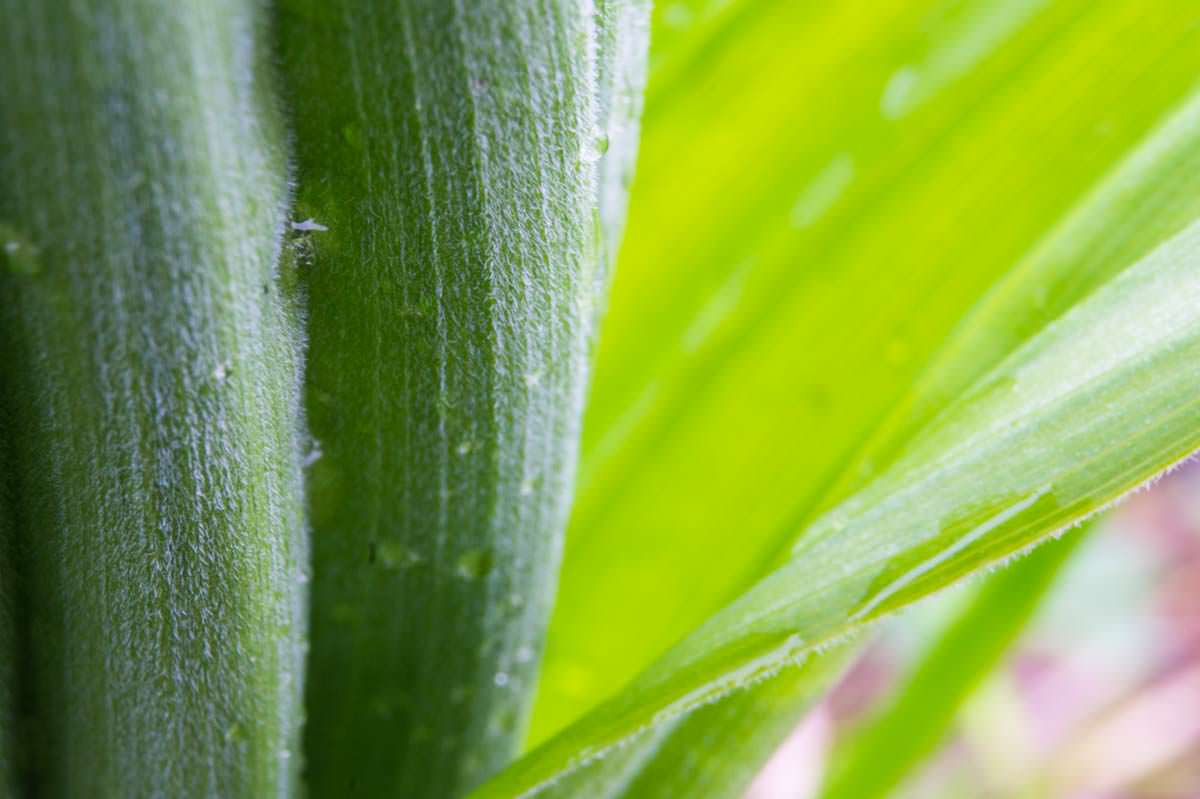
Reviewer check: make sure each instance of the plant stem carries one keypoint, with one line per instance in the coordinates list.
(450, 157)
(152, 371)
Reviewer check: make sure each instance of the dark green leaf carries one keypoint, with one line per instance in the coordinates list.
(460, 164)
(151, 373)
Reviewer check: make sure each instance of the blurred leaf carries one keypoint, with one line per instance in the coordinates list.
(880, 755)
(609, 777)
(718, 750)
(713, 751)
(1149, 196)
(818, 205)
(1096, 404)
(1143, 200)
(723, 746)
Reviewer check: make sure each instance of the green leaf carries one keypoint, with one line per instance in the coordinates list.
(1147, 197)
(719, 749)
(1138, 204)
(713, 751)
(755, 345)
(464, 168)
(9, 651)
(609, 777)
(1099, 402)
(151, 378)
(879, 756)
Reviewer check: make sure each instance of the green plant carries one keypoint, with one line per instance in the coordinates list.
(907, 289)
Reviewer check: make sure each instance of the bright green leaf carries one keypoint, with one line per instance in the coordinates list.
(719, 749)
(1145, 199)
(1098, 403)
(797, 253)
(714, 751)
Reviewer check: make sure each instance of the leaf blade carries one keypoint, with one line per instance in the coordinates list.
(926, 523)
(688, 433)
(151, 368)
(1142, 201)
(896, 741)
(460, 161)
(719, 749)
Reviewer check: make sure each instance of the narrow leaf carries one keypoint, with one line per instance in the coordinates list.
(1145, 199)
(798, 252)
(878, 758)
(1098, 403)
(460, 164)
(719, 749)
(151, 372)
(714, 751)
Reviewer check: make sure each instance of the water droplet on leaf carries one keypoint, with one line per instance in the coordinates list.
(475, 564)
(594, 148)
(899, 95)
(395, 555)
(17, 252)
(353, 136)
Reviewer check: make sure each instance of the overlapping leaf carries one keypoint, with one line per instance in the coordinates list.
(465, 168)
(965, 651)
(865, 237)
(150, 350)
(1100, 401)
(798, 249)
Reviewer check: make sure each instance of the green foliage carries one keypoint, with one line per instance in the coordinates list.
(1121, 184)
(457, 165)
(1036, 445)
(908, 288)
(715, 751)
(151, 378)
(734, 388)
(718, 749)
(878, 757)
